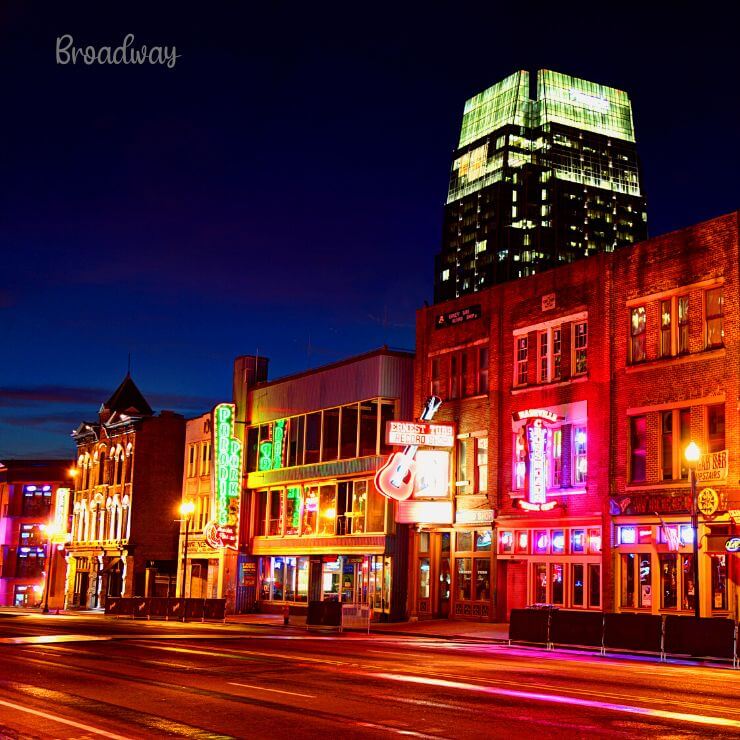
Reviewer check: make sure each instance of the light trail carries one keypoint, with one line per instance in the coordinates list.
(276, 691)
(62, 720)
(700, 719)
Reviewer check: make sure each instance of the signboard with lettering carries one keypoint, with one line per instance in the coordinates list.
(419, 433)
(458, 317)
(474, 516)
(712, 467)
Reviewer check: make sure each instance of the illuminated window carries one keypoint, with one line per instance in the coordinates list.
(556, 353)
(666, 321)
(638, 452)
(522, 364)
(637, 334)
(683, 324)
(462, 465)
(673, 461)
(544, 357)
(666, 423)
(715, 317)
(579, 455)
(445, 275)
(556, 458)
(481, 463)
(580, 347)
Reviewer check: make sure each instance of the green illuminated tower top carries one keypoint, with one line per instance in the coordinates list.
(538, 180)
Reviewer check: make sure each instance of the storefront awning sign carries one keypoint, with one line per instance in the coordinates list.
(419, 433)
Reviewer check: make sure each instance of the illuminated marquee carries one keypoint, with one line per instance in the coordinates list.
(228, 463)
(550, 416)
(421, 434)
(61, 522)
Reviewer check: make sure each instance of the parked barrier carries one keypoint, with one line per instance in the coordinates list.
(641, 633)
(159, 607)
(324, 614)
(356, 616)
(214, 609)
(577, 628)
(529, 625)
(194, 609)
(707, 637)
(141, 608)
(166, 608)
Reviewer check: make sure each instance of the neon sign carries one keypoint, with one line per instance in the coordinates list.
(537, 436)
(732, 544)
(228, 463)
(278, 438)
(550, 416)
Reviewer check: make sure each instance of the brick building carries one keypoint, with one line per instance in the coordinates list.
(574, 393)
(34, 494)
(128, 488)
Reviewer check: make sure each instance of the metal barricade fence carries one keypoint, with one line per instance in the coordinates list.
(356, 616)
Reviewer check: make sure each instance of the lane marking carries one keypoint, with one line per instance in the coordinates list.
(264, 688)
(62, 720)
(699, 719)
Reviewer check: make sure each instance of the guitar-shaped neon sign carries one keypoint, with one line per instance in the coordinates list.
(396, 478)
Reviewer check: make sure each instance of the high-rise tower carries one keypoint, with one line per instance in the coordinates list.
(538, 178)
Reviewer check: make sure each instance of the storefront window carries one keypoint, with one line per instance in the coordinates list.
(293, 502)
(506, 540)
(482, 579)
(278, 579)
(668, 582)
(594, 584)
(578, 540)
(359, 506)
(521, 543)
(276, 511)
(464, 542)
(301, 589)
(558, 542)
(330, 435)
(376, 509)
(541, 541)
(463, 579)
(556, 583)
(646, 588)
(310, 510)
(577, 584)
(483, 540)
(313, 438)
(424, 578)
(719, 582)
(330, 575)
(349, 431)
(327, 509)
(687, 583)
(628, 579)
(579, 455)
(540, 583)
(423, 541)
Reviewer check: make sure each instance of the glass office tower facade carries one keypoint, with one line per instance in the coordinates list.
(540, 177)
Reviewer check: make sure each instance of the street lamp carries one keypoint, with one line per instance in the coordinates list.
(186, 511)
(50, 530)
(692, 455)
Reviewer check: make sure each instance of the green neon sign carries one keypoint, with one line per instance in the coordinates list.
(265, 462)
(228, 460)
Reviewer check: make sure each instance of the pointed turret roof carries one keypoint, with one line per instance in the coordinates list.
(127, 399)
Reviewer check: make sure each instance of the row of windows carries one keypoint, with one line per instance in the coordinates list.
(199, 458)
(102, 469)
(326, 509)
(674, 326)
(543, 363)
(675, 435)
(341, 433)
(460, 374)
(98, 522)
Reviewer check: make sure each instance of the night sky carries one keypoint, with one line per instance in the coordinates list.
(280, 190)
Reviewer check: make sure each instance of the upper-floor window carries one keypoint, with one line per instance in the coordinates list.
(715, 308)
(638, 448)
(666, 328)
(682, 337)
(716, 427)
(672, 445)
(522, 360)
(638, 351)
(483, 370)
(205, 458)
(557, 475)
(481, 464)
(36, 501)
(579, 455)
(436, 377)
(543, 357)
(580, 347)
(191, 460)
(454, 376)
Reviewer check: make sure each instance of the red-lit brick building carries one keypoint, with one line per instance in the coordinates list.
(34, 496)
(574, 393)
(123, 539)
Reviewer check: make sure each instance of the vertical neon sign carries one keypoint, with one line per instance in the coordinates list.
(537, 433)
(228, 461)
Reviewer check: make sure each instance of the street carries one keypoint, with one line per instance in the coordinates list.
(91, 676)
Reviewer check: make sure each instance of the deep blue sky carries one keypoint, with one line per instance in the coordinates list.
(280, 190)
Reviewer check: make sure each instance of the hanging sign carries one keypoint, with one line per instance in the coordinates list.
(227, 478)
(732, 544)
(707, 501)
(712, 467)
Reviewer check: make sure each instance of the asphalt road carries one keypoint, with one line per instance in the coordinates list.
(89, 677)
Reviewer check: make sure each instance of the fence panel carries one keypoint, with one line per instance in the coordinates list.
(577, 628)
(529, 625)
(707, 637)
(641, 633)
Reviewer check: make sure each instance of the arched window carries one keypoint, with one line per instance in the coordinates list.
(84, 520)
(101, 468)
(125, 517)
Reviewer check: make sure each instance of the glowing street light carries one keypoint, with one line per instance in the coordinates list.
(186, 512)
(692, 453)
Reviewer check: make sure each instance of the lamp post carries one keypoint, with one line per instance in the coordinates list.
(50, 530)
(692, 454)
(186, 510)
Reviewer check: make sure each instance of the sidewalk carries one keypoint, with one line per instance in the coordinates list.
(445, 629)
